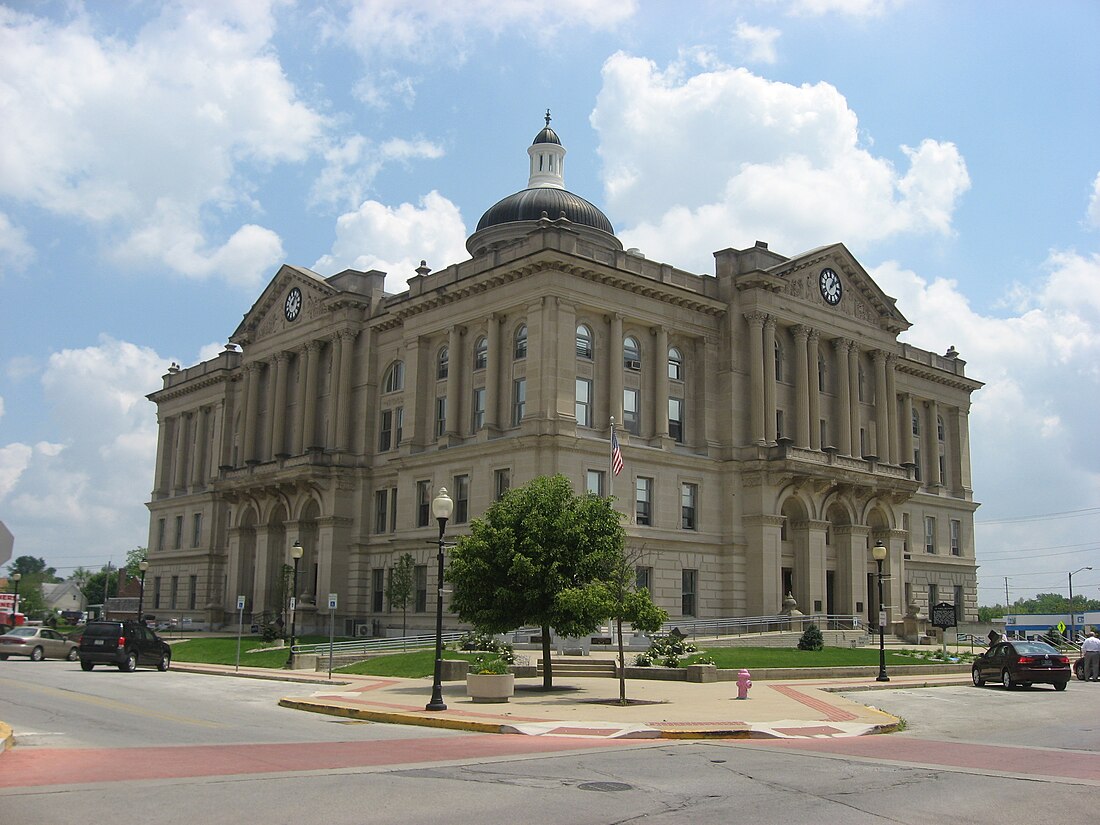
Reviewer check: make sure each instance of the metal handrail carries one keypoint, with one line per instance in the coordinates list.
(376, 645)
(744, 625)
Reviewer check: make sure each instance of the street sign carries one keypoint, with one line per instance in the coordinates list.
(882, 618)
(943, 615)
(240, 602)
(331, 601)
(1061, 628)
(293, 602)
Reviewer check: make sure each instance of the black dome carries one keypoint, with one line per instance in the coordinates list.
(529, 204)
(547, 135)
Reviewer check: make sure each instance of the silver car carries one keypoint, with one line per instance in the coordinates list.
(37, 643)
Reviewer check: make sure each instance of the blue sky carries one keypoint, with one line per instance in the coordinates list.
(161, 160)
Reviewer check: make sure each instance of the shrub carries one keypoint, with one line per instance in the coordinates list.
(811, 639)
(489, 664)
(270, 633)
(474, 640)
(666, 651)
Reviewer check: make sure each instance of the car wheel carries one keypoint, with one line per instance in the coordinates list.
(1006, 680)
(38, 654)
(165, 661)
(3, 657)
(130, 665)
(86, 665)
(1060, 685)
(73, 655)
(976, 675)
(1078, 671)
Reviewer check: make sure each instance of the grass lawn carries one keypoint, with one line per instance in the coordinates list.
(757, 657)
(223, 651)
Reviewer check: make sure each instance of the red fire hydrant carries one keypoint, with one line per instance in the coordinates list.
(744, 682)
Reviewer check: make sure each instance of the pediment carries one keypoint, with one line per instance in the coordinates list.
(860, 297)
(268, 315)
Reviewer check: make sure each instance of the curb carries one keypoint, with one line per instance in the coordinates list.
(7, 737)
(387, 717)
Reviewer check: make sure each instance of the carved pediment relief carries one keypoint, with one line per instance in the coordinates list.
(294, 297)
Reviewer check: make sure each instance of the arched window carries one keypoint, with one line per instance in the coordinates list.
(395, 377)
(444, 363)
(520, 348)
(584, 342)
(916, 424)
(939, 428)
(778, 361)
(632, 354)
(481, 353)
(675, 364)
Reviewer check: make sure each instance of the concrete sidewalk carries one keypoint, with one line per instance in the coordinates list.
(587, 706)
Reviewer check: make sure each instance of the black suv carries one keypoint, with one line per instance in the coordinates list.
(123, 644)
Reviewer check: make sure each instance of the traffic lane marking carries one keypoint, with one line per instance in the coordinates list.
(964, 756)
(73, 766)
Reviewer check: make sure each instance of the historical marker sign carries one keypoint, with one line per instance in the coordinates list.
(943, 615)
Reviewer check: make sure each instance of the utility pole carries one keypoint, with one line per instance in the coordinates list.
(1006, 594)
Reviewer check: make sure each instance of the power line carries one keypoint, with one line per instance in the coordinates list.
(1088, 511)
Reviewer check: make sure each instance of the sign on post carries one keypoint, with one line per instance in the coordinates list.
(331, 601)
(943, 615)
(240, 603)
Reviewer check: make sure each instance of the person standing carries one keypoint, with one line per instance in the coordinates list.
(1090, 649)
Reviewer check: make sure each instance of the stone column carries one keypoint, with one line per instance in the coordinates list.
(770, 424)
(198, 450)
(882, 424)
(962, 448)
(843, 396)
(278, 414)
(343, 389)
(615, 369)
(492, 374)
(660, 382)
(892, 409)
(764, 565)
(267, 451)
(336, 344)
(309, 412)
(227, 432)
(906, 428)
(161, 487)
(801, 387)
(853, 397)
(813, 355)
(297, 445)
(756, 372)
(934, 477)
(251, 410)
(182, 426)
(454, 382)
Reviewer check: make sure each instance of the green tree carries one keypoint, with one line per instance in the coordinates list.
(541, 556)
(400, 586)
(101, 585)
(31, 566)
(133, 559)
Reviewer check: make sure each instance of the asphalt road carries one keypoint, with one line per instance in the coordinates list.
(182, 748)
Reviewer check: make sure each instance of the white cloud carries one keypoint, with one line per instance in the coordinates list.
(351, 166)
(849, 8)
(1093, 214)
(149, 138)
(722, 157)
(396, 239)
(92, 480)
(15, 252)
(757, 42)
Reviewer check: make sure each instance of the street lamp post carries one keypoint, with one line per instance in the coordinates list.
(879, 553)
(1072, 623)
(15, 577)
(296, 554)
(442, 506)
(143, 565)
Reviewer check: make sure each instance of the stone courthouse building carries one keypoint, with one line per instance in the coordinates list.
(772, 426)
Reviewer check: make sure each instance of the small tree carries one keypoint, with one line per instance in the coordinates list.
(539, 556)
(811, 639)
(400, 587)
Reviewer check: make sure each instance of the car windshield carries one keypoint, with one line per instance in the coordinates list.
(1035, 649)
(23, 631)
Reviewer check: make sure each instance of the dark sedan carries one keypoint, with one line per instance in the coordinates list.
(1022, 664)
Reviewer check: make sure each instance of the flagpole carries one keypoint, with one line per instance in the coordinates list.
(611, 461)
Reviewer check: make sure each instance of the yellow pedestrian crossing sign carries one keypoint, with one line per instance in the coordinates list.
(1062, 627)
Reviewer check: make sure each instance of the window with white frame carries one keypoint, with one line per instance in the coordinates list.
(594, 481)
(584, 342)
(502, 483)
(477, 413)
(689, 499)
(632, 353)
(675, 364)
(395, 377)
(423, 503)
(583, 406)
(481, 353)
(631, 418)
(929, 534)
(443, 363)
(420, 588)
(196, 529)
(643, 578)
(689, 588)
(956, 533)
(461, 496)
(643, 500)
(519, 400)
(441, 415)
(676, 419)
(519, 349)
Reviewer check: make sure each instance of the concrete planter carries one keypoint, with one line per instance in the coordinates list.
(490, 687)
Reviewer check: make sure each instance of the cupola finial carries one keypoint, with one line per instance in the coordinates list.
(547, 117)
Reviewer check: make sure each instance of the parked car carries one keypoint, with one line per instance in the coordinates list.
(1022, 664)
(37, 643)
(126, 645)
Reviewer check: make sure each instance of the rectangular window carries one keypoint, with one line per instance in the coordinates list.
(779, 423)
(196, 529)
(156, 592)
(393, 509)
(824, 425)
(916, 462)
(502, 483)
(959, 603)
(477, 417)
(643, 577)
(398, 423)
(583, 408)
(423, 503)
(385, 431)
(519, 400)
(440, 416)
(689, 580)
(956, 530)
(174, 593)
(929, 534)
(461, 496)
(420, 588)
(377, 588)
(689, 494)
(160, 534)
(862, 441)
(381, 510)
(943, 469)
(179, 532)
(905, 528)
(593, 482)
(933, 597)
(643, 497)
(631, 419)
(193, 592)
(676, 419)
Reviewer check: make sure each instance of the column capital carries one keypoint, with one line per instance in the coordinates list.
(801, 333)
(842, 345)
(756, 317)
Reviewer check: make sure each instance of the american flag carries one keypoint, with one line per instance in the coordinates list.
(616, 455)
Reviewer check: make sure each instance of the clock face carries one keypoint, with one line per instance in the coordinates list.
(831, 289)
(293, 304)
